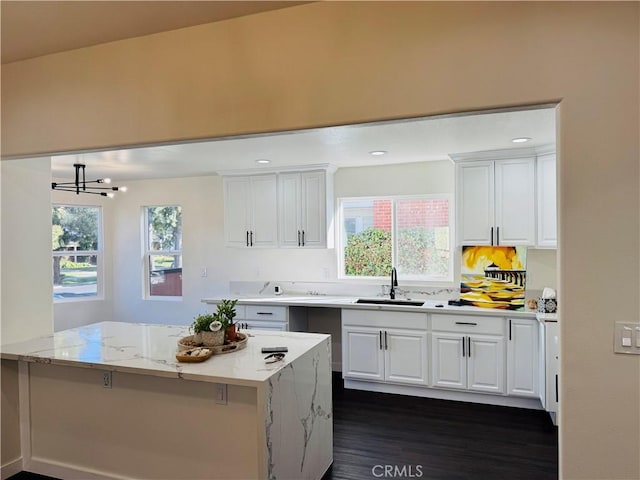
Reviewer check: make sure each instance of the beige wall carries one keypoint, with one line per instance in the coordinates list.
(335, 63)
(10, 414)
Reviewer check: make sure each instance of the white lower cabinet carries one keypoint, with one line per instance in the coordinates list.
(469, 362)
(370, 351)
(523, 358)
(468, 353)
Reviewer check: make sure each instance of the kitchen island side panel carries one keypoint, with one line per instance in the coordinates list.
(299, 415)
(142, 427)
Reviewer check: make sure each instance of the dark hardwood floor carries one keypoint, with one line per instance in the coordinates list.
(438, 439)
(423, 438)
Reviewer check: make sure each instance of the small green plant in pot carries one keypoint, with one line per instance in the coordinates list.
(208, 330)
(226, 313)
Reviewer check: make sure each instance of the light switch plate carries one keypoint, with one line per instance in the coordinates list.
(626, 338)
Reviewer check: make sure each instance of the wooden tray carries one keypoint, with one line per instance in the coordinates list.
(181, 356)
(220, 349)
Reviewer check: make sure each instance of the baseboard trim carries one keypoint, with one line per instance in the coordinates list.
(9, 469)
(68, 471)
(531, 403)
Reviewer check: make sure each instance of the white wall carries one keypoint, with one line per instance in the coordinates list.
(201, 199)
(70, 314)
(26, 304)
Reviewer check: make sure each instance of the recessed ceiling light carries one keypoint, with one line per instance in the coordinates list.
(263, 161)
(378, 152)
(521, 140)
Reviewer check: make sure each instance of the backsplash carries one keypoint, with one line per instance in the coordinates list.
(337, 288)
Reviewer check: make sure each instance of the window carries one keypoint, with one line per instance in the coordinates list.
(410, 233)
(77, 255)
(163, 251)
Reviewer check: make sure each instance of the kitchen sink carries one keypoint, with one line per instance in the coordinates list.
(388, 301)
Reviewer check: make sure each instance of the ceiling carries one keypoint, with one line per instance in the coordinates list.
(406, 141)
(33, 28)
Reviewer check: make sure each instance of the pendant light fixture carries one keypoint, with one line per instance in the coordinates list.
(80, 184)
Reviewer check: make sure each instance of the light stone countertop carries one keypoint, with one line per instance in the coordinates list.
(328, 301)
(150, 350)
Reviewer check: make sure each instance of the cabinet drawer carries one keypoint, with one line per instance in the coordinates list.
(256, 325)
(266, 312)
(468, 324)
(384, 319)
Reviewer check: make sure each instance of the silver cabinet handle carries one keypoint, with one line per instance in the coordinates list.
(386, 345)
(264, 313)
(469, 349)
(247, 238)
(303, 238)
(497, 235)
(492, 236)
(463, 350)
(299, 243)
(380, 335)
(466, 323)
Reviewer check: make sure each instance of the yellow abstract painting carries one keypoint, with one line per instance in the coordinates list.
(493, 276)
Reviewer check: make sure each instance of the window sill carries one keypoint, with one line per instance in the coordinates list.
(162, 299)
(60, 301)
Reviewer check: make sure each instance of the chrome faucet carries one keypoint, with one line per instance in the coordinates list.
(394, 283)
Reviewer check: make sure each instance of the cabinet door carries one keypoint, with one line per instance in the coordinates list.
(405, 355)
(313, 209)
(237, 207)
(475, 202)
(546, 194)
(523, 358)
(362, 354)
(515, 201)
(485, 363)
(264, 211)
(448, 365)
(289, 198)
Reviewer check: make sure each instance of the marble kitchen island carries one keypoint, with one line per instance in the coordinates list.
(109, 400)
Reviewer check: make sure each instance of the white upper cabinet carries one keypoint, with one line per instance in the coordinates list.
(282, 209)
(250, 211)
(302, 200)
(546, 190)
(475, 205)
(496, 202)
(506, 198)
(515, 201)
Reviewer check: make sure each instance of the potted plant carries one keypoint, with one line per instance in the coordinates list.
(208, 330)
(225, 314)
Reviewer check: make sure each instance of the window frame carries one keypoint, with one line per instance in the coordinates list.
(147, 253)
(99, 253)
(447, 280)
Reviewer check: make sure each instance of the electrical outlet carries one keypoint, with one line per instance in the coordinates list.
(106, 380)
(221, 393)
